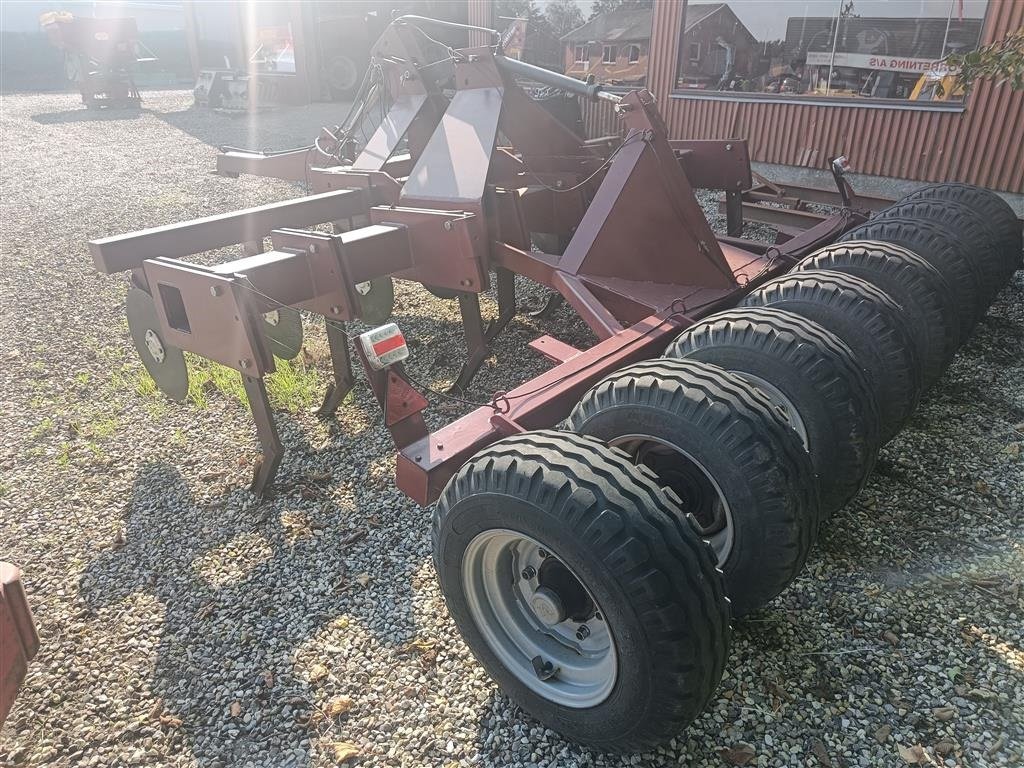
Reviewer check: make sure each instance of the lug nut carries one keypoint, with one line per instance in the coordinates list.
(583, 632)
(529, 572)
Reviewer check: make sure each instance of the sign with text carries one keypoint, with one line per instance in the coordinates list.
(877, 61)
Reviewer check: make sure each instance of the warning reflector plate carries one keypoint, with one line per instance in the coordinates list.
(384, 346)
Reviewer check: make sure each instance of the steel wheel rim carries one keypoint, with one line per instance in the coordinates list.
(682, 472)
(782, 404)
(495, 566)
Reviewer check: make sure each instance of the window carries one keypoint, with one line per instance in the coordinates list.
(581, 54)
(834, 49)
(610, 53)
(633, 54)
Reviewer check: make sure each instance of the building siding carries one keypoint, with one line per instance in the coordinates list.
(983, 145)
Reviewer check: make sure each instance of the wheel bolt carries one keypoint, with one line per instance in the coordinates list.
(583, 632)
(529, 572)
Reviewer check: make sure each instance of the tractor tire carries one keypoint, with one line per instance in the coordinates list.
(813, 379)
(993, 209)
(732, 461)
(343, 76)
(940, 248)
(548, 525)
(977, 238)
(914, 284)
(868, 321)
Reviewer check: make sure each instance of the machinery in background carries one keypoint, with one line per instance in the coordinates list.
(100, 55)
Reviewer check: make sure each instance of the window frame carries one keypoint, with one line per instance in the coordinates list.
(850, 102)
(629, 53)
(692, 58)
(605, 48)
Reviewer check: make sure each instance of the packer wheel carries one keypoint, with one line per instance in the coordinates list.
(733, 462)
(990, 207)
(810, 376)
(939, 248)
(978, 240)
(868, 321)
(581, 589)
(926, 298)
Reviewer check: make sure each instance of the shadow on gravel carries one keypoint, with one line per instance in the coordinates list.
(85, 115)
(243, 586)
(272, 128)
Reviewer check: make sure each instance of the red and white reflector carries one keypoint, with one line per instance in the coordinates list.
(384, 346)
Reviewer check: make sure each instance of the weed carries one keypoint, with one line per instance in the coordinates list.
(43, 428)
(292, 387)
(102, 427)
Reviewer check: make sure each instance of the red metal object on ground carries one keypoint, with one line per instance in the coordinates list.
(18, 639)
(484, 174)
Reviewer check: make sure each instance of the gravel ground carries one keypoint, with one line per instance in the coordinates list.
(185, 623)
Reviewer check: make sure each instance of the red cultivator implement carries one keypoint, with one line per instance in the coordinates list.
(584, 567)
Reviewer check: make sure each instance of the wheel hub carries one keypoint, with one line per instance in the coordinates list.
(698, 492)
(155, 346)
(539, 618)
(547, 605)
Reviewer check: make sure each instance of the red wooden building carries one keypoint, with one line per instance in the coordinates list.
(859, 83)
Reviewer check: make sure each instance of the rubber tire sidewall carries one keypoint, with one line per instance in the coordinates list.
(755, 533)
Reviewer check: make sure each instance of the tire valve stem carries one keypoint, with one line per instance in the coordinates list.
(529, 572)
(583, 632)
(542, 552)
(545, 669)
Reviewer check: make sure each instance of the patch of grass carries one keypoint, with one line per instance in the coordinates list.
(133, 378)
(156, 408)
(64, 455)
(4, 489)
(43, 428)
(292, 387)
(83, 378)
(205, 376)
(102, 427)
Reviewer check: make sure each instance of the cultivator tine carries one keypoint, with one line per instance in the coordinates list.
(341, 365)
(550, 306)
(266, 466)
(477, 346)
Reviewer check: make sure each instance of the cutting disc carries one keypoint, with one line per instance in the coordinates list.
(166, 364)
(376, 300)
(283, 328)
